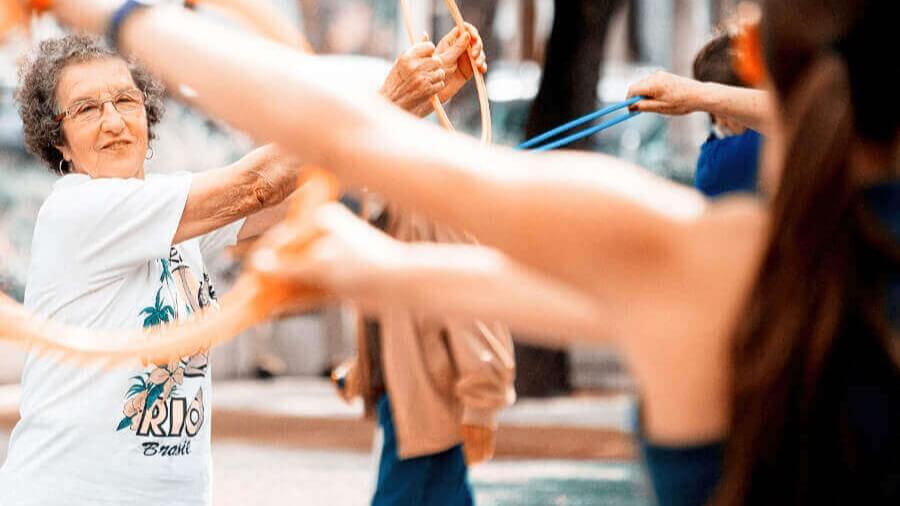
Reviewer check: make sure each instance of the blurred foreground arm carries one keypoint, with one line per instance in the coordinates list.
(455, 281)
(558, 216)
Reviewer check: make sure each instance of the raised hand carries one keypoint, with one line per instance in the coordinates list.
(451, 52)
(416, 76)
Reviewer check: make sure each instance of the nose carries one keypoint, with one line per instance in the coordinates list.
(111, 119)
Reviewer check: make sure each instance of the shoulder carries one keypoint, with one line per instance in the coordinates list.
(76, 195)
(730, 227)
(723, 247)
(714, 253)
(740, 213)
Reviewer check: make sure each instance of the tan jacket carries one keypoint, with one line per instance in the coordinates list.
(438, 373)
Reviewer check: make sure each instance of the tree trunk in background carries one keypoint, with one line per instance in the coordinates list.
(481, 14)
(572, 64)
(568, 89)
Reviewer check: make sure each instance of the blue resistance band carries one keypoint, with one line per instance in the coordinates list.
(530, 143)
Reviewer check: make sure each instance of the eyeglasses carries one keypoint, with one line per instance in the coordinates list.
(128, 102)
(749, 62)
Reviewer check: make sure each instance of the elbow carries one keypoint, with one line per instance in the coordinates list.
(249, 197)
(264, 194)
(267, 190)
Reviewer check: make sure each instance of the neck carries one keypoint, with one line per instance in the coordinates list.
(139, 174)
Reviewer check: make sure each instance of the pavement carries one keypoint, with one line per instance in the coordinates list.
(306, 413)
(292, 440)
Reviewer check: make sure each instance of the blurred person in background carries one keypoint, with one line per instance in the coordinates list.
(436, 385)
(729, 158)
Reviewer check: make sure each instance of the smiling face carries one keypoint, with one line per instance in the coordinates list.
(114, 144)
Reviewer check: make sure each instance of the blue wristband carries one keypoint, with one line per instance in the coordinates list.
(118, 18)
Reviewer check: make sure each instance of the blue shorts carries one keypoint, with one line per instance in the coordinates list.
(432, 480)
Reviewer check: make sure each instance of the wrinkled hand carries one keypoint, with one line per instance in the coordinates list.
(348, 257)
(666, 94)
(478, 443)
(415, 77)
(451, 52)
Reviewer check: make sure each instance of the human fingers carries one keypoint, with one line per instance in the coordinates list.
(456, 49)
(476, 48)
(448, 39)
(436, 76)
(651, 105)
(643, 88)
(422, 49)
(472, 31)
(481, 63)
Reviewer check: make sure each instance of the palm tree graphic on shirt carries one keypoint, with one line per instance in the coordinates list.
(172, 301)
(158, 313)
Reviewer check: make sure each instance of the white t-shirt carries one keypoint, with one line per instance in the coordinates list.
(102, 258)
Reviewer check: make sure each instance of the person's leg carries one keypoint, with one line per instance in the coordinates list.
(448, 481)
(400, 482)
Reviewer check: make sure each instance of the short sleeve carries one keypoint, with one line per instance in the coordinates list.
(110, 226)
(214, 242)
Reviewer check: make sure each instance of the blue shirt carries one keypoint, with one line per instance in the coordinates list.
(729, 164)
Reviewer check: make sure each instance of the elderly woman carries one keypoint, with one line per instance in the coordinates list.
(115, 247)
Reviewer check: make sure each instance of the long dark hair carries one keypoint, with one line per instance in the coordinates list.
(819, 302)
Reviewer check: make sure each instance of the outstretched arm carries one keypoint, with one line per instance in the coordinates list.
(255, 187)
(454, 281)
(675, 95)
(561, 214)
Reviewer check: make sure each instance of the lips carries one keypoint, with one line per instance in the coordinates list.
(116, 144)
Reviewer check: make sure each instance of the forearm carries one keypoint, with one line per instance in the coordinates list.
(465, 282)
(748, 106)
(560, 213)
(250, 187)
(217, 197)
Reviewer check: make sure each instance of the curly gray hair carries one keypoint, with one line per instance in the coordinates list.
(36, 96)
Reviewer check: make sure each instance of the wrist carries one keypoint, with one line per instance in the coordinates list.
(704, 97)
(124, 13)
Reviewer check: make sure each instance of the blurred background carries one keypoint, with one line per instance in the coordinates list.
(279, 429)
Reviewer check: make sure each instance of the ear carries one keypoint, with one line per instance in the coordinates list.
(66, 152)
